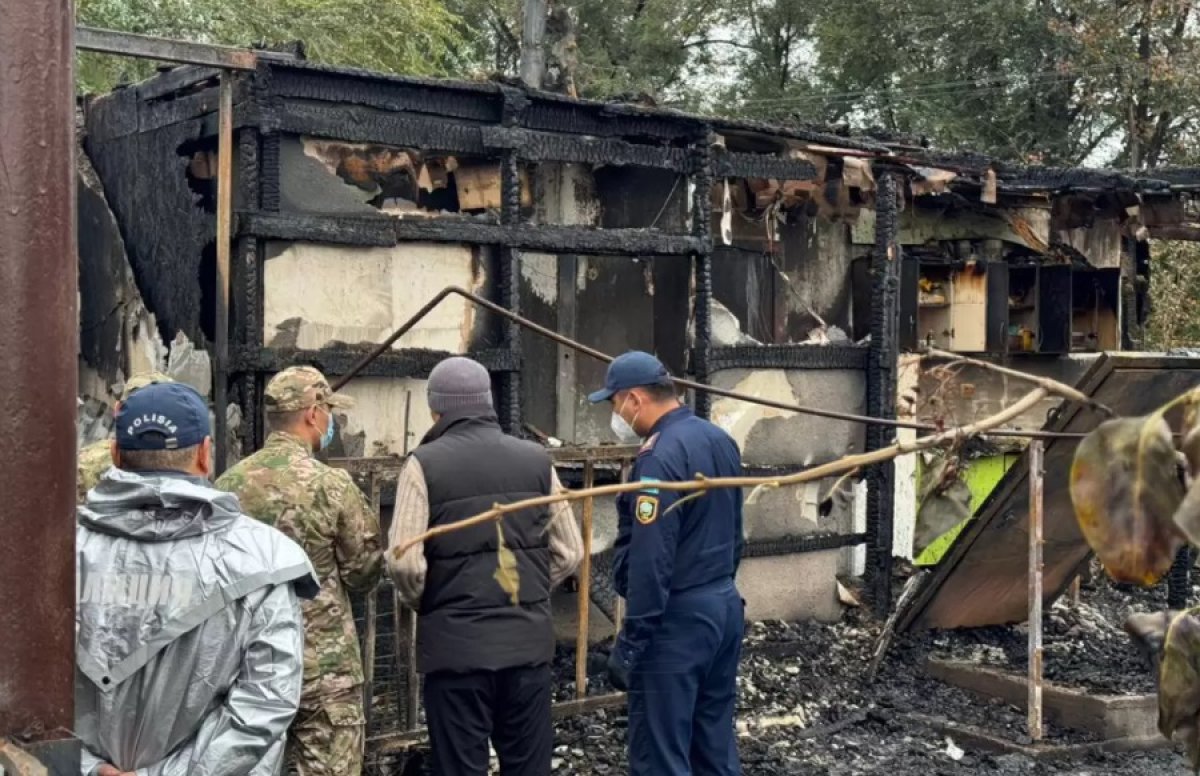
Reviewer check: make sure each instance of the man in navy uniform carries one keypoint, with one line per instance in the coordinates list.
(677, 653)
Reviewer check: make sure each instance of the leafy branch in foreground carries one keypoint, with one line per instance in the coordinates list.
(1136, 492)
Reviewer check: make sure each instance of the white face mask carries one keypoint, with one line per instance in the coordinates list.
(621, 427)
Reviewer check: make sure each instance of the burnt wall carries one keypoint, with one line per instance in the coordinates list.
(815, 275)
(103, 278)
(144, 168)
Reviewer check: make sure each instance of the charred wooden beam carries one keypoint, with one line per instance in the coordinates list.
(385, 231)
(702, 265)
(558, 113)
(336, 361)
(176, 80)
(733, 164)
(803, 544)
(480, 101)
(359, 124)
(788, 357)
(536, 146)
(127, 44)
(882, 366)
(309, 81)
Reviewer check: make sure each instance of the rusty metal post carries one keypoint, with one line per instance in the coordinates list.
(39, 318)
(1036, 729)
(585, 585)
(224, 246)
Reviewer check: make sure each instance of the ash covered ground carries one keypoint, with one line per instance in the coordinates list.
(1085, 646)
(806, 706)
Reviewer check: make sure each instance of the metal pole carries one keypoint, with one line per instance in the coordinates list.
(533, 38)
(585, 586)
(487, 304)
(39, 317)
(224, 245)
(1035, 590)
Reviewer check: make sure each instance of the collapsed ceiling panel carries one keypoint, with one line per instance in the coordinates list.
(982, 580)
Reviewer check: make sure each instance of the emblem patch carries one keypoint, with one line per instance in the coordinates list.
(646, 509)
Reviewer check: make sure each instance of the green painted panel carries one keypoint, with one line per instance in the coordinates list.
(983, 475)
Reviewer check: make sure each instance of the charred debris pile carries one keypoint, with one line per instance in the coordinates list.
(806, 704)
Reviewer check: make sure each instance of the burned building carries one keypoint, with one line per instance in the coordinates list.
(786, 263)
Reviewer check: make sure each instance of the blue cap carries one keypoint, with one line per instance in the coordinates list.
(631, 370)
(164, 416)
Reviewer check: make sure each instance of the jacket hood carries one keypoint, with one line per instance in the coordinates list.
(157, 506)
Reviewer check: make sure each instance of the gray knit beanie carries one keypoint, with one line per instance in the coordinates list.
(459, 383)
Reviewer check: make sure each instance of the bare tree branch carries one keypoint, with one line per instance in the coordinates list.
(701, 483)
(1051, 386)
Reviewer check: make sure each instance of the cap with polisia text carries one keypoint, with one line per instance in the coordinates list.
(631, 370)
(162, 416)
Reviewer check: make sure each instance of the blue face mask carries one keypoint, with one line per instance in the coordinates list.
(327, 438)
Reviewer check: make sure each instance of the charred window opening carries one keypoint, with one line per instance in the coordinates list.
(643, 198)
(330, 177)
(201, 171)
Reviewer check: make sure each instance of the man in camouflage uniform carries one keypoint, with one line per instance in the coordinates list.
(324, 511)
(96, 458)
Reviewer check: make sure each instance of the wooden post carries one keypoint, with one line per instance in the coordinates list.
(585, 586)
(1035, 590)
(224, 246)
(412, 683)
(370, 629)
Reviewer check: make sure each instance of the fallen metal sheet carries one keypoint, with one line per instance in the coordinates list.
(982, 578)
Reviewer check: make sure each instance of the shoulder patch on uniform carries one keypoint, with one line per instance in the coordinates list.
(646, 509)
(648, 445)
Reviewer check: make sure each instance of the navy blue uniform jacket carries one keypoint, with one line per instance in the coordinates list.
(658, 550)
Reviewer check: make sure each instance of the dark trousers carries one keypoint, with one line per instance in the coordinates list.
(683, 689)
(511, 707)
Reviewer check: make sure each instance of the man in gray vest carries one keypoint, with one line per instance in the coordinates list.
(485, 639)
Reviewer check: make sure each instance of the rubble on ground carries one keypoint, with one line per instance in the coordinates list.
(1085, 646)
(806, 707)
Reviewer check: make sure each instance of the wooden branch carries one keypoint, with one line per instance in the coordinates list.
(840, 466)
(1051, 386)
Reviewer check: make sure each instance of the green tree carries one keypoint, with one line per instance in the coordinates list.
(623, 47)
(1174, 287)
(1057, 81)
(406, 36)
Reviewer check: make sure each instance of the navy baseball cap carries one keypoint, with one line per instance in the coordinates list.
(163, 416)
(631, 370)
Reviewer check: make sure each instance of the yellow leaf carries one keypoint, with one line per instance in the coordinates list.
(1125, 487)
(506, 570)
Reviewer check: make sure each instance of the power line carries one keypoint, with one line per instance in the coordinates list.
(935, 87)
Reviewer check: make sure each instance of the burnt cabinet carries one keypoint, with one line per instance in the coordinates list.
(994, 307)
(949, 306)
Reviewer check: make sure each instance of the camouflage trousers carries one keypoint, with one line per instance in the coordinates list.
(327, 739)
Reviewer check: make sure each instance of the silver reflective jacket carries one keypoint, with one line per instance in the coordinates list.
(189, 639)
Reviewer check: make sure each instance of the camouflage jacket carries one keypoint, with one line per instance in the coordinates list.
(94, 460)
(325, 512)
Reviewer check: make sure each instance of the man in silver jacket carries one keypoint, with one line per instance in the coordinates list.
(189, 640)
